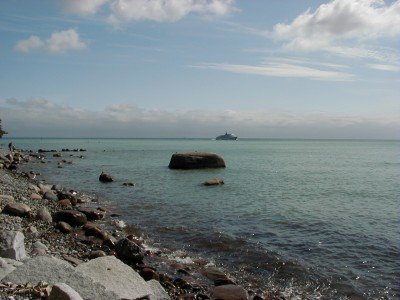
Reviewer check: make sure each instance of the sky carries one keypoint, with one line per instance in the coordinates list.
(196, 68)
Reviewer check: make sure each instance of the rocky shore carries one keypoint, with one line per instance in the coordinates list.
(60, 244)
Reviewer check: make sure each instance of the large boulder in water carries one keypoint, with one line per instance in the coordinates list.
(196, 160)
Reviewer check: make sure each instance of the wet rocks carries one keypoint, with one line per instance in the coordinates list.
(128, 184)
(196, 160)
(12, 245)
(214, 181)
(72, 217)
(92, 214)
(229, 292)
(149, 274)
(17, 209)
(129, 252)
(105, 177)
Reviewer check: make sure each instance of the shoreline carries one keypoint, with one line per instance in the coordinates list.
(196, 280)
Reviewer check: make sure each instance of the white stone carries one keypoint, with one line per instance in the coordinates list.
(116, 277)
(62, 291)
(158, 292)
(12, 245)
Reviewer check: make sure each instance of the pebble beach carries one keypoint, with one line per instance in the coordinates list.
(57, 241)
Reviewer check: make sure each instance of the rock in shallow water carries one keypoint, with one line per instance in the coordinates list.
(129, 252)
(105, 177)
(196, 160)
(230, 292)
(214, 181)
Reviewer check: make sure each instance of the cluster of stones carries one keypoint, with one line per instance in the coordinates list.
(116, 265)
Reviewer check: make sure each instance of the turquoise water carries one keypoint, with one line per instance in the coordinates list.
(314, 217)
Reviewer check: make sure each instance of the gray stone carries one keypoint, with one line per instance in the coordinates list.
(39, 245)
(116, 277)
(50, 196)
(44, 215)
(196, 160)
(5, 268)
(158, 292)
(12, 245)
(17, 209)
(6, 199)
(62, 291)
(53, 270)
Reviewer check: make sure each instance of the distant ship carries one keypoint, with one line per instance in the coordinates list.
(226, 137)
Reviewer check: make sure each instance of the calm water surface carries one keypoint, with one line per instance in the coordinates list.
(310, 217)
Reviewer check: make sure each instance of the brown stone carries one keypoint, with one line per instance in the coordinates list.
(17, 209)
(92, 214)
(229, 292)
(149, 274)
(97, 253)
(64, 227)
(214, 181)
(35, 196)
(72, 217)
(64, 203)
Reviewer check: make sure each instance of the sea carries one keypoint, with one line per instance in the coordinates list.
(314, 219)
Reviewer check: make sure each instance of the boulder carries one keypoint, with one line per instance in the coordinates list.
(116, 277)
(12, 245)
(214, 181)
(72, 217)
(17, 209)
(62, 291)
(105, 177)
(53, 270)
(229, 292)
(196, 160)
(44, 215)
(64, 227)
(129, 252)
(158, 291)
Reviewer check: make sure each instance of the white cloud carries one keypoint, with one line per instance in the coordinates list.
(284, 68)
(383, 67)
(59, 42)
(154, 10)
(25, 118)
(32, 43)
(342, 27)
(83, 7)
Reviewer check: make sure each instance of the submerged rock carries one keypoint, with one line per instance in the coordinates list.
(196, 160)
